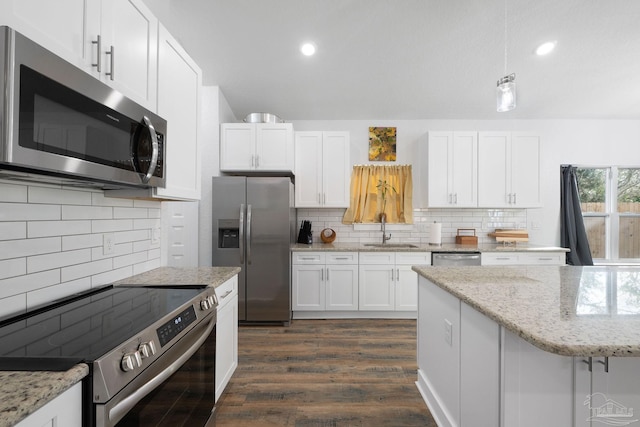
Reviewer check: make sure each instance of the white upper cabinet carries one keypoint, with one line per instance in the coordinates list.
(451, 172)
(322, 169)
(179, 82)
(256, 147)
(114, 40)
(508, 170)
(129, 46)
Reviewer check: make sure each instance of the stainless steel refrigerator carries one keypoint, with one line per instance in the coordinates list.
(254, 222)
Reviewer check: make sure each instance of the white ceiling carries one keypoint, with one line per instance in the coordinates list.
(414, 59)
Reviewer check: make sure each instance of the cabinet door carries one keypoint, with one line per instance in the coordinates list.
(237, 146)
(406, 298)
(308, 169)
(501, 258)
(274, 147)
(130, 32)
(226, 344)
(493, 169)
(65, 27)
(525, 170)
(342, 287)
(439, 161)
(65, 410)
(376, 289)
(308, 291)
(615, 392)
(336, 167)
(464, 169)
(179, 81)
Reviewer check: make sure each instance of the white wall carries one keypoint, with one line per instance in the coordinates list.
(215, 110)
(51, 240)
(581, 142)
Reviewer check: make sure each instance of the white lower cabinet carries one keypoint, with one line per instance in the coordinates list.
(325, 281)
(387, 282)
(523, 258)
(64, 410)
(226, 334)
(606, 391)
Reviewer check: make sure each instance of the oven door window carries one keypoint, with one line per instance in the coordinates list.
(185, 399)
(58, 120)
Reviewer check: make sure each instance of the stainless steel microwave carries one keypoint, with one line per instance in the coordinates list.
(61, 124)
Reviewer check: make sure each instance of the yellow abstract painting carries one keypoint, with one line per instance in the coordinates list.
(382, 144)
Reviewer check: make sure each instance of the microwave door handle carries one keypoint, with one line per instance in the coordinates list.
(248, 234)
(241, 233)
(154, 145)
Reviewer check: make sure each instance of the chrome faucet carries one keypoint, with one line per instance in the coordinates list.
(384, 236)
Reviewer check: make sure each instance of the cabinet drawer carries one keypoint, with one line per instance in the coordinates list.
(494, 258)
(545, 258)
(379, 258)
(342, 257)
(227, 291)
(413, 258)
(308, 258)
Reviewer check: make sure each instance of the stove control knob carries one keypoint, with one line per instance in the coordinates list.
(212, 300)
(205, 304)
(131, 361)
(147, 349)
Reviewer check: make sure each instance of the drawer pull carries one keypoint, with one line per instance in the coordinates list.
(226, 294)
(307, 259)
(342, 257)
(545, 259)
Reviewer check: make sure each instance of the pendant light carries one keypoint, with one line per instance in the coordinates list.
(506, 90)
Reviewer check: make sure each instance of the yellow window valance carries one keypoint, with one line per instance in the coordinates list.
(366, 196)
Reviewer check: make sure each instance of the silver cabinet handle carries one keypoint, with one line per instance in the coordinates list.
(257, 161)
(605, 363)
(226, 294)
(112, 55)
(341, 258)
(319, 198)
(322, 274)
(249, 234)
(455, 195)
(327, 274)
(324, 198)
(392, 276)
(98, 43)
(398, 274)
(241, 233)
(515, 199)
(589, 362)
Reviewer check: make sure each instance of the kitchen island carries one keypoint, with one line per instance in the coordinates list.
(529, 345)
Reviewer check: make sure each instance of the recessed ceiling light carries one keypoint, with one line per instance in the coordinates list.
(546, 48)
(308, 49)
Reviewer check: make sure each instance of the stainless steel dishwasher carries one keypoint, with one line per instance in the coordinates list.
(455, 258)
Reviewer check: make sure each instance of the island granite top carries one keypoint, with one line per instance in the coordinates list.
(22, 392)
(567, 310)
(420, 247)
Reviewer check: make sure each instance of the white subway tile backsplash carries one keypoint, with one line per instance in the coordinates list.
(51, 241)
(13, 193)
(13, 267)
(58, 196)
(84, 270)
(87, 212)
(57, 260)
(29, 247)
(13, 230)
(28, 282)
(109, 225)
(27, 212)
(57, 228)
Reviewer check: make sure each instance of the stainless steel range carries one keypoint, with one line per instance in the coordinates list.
(151, 352)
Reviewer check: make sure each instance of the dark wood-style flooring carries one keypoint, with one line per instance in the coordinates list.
(325, 373)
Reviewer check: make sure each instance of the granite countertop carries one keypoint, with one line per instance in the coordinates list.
(567, 310)
(22, 393)
(447, 247)
(210, 276)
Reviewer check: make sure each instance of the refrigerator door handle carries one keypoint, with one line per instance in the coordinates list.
(241, 233)
(248, 234)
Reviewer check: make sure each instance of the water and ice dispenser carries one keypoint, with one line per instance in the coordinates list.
(228, 233)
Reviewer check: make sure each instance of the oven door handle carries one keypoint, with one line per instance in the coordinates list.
(125, 405)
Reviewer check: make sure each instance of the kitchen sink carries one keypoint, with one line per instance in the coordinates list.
(391, 245)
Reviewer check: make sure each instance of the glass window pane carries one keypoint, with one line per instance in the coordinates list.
(629, 237)
(592, 189)
(595, 227)
(629, 190)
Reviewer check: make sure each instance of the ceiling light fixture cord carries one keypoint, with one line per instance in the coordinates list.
(505, 37)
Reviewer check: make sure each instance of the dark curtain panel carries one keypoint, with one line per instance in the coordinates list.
(572, 232)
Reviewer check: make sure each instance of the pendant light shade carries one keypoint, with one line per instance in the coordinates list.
(506, 93)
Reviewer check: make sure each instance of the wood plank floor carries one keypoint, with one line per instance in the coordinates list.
(325, 373)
